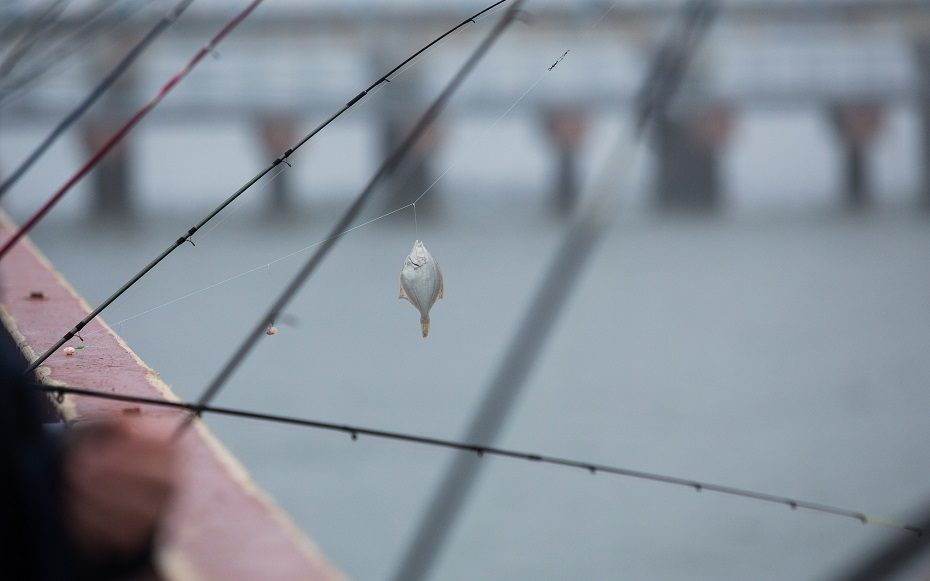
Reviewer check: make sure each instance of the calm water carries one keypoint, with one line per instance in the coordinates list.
(784, 354)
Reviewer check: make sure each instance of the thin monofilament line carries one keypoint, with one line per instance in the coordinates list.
(480, 450)
(412, 205)
(261, 266)
(283, 158)
(203, 235)
(497, 121)
(297, 252)
(116, 137)
(111, 77)
(389, 165)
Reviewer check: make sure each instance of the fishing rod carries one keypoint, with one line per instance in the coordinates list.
(43, 22)
(659, 86)
(283, 158)
(134, 53)
(352, 212)
(482, 450)
(129, 125)
(89, 29)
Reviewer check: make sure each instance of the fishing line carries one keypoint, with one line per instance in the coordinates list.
(127, 127)
(500, 118)
(134, 53)
(454, 164)
(119, 324)
(260, 267)
(481, 450)
(43, 22)
(412, 205)
(344, 232)
(59, 56)
(513, 105)
(389, 165)
(187, 236)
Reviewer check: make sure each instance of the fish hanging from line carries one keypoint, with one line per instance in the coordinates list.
(421, 282)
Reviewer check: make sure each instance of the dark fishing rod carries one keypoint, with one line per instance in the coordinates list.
(90, 27)
(128, 126)
(283, 158)
(134, 53)
(481, 450)
(387, 167)
(659, 86)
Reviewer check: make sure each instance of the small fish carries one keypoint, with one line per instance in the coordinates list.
(421, 282)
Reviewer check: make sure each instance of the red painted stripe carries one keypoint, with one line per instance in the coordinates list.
(126, 128)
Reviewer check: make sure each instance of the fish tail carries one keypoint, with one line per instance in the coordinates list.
(424, 325)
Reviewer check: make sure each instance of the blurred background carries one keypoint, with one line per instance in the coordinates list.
(759, 315)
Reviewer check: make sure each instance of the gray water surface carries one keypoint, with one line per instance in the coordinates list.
(787, 355)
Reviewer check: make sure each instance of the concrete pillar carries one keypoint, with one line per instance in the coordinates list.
(856, 126)
(277, 135)
(112, 178)
(688, 147)
(566, 129)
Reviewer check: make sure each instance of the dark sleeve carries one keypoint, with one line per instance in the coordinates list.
(32, 538)
(34, 544)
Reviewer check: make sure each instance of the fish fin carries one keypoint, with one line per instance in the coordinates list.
(424, 326)
(403, 293)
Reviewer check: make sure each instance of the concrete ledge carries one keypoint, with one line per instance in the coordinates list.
(222, 526)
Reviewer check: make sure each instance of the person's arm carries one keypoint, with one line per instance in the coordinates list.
(85, 506)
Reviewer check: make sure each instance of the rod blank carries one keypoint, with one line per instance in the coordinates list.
(480, 450)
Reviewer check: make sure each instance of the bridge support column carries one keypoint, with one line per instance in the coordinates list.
(277, 135)
(856, 125)
(688, 147)
(112, 178)
(566, 129)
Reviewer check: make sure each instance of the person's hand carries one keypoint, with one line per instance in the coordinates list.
(118, 481)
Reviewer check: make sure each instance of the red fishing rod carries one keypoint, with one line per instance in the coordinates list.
(102, 87)
(127, 127)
